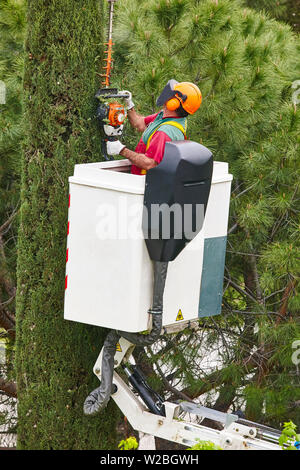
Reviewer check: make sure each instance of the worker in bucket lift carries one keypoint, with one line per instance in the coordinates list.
(178, 100)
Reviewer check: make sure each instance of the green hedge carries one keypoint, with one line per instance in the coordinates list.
(55, 357)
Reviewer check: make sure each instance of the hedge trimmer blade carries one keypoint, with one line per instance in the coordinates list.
(108, 59)
(110, 114)
(106, 93)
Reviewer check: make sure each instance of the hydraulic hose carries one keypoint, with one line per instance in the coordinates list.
(98, 399)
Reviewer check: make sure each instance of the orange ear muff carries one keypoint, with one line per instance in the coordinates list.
(173, 103)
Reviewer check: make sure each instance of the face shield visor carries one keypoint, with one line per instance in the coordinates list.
(168, 93)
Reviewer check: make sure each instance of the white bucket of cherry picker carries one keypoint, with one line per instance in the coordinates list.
(109, 274)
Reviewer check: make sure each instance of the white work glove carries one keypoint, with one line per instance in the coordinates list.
(114, 148)
(128, 101)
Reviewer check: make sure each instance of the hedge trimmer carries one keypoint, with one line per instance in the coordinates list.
(111, 114)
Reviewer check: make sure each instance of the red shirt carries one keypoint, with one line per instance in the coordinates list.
(156, 148)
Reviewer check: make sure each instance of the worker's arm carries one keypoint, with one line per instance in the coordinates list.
(136, 120)
(153, 156)
(138, 159)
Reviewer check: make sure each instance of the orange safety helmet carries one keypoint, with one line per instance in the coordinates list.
(193, 98)
(185, 94)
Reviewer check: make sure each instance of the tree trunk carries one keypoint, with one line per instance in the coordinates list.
(55, 357)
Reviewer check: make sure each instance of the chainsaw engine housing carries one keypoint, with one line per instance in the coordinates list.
(111, 116)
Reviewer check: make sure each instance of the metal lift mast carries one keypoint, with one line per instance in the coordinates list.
(174, 422)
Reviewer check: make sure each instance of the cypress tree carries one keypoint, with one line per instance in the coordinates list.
(245, 63)
(55, 357)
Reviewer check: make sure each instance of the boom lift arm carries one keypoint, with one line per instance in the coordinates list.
(171, 421)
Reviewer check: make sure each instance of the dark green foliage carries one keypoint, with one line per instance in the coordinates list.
(245, 63)
(284, 10)
(276, 8)
(55, 357)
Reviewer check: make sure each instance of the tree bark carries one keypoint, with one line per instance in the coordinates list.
(284, 301)
(9, 388)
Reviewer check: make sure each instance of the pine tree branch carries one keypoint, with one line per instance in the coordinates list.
(5, 278)
(240, 290)
(264, 366)
(245, 190)
(248, 312)
(221, 377)
(274, 293)
(227, 330)
(8, 222)
(232, 229)
(277, 224)
(176, 393)
(242, 253)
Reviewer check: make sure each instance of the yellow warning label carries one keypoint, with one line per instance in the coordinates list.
(118, 347)
(179, 315)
